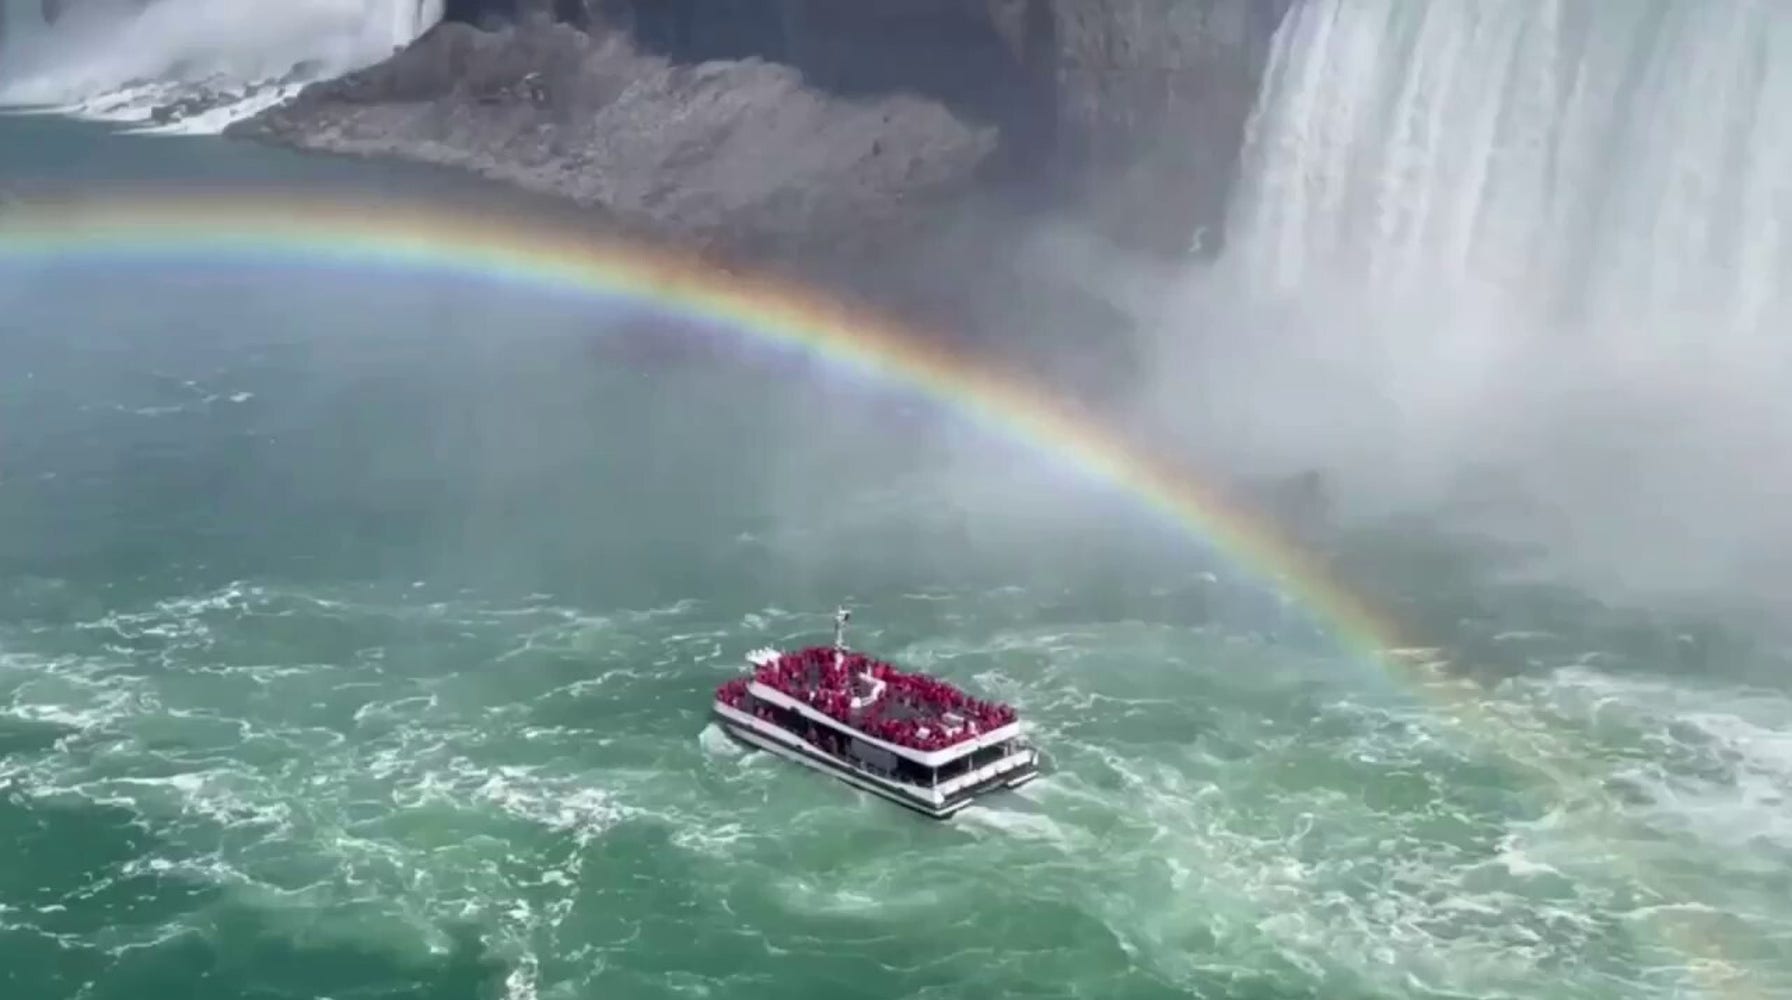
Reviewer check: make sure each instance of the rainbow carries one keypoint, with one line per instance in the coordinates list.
(507, 250)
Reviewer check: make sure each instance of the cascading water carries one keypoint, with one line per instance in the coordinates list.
(1545, 234)
(193, 65)
(1628, 159)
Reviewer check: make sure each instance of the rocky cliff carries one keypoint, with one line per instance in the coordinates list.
(1131, 109)
(812, 112)
(738, 154)
(51, 11)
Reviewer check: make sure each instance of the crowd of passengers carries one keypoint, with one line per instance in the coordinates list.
(795, 675)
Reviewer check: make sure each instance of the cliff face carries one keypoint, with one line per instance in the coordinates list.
(1133, 109)
(739, 155)
(1152, 99)
(51, 11)
(948, 51)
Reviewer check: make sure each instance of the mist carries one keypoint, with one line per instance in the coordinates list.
(1521, 267)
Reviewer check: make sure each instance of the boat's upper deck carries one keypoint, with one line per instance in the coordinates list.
(907, 709)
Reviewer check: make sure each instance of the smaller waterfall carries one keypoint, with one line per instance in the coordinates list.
(193, 66)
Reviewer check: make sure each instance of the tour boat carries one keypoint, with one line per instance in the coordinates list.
(908, 737)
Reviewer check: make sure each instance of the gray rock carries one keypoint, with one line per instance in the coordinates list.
(734, 154)
(1134, 109)
(1153, 99)
(52, 11)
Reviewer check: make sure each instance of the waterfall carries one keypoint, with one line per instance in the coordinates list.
(1551, 238)
(193, 65)
(1626, 166)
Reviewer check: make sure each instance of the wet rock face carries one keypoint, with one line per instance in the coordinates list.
(947, 50)
(1153, 99)
(739, 155)
(1134, 108)
(496, 14)
(53, 10)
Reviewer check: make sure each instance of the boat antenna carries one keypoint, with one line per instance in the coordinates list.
(841, 616)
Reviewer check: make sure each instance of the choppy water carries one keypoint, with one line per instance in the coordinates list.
(357, 634)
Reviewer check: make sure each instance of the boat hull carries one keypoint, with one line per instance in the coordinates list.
(797, 751)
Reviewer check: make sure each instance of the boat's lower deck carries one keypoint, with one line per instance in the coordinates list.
(933, 801)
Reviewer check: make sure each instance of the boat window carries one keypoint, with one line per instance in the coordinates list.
(872, 758)
(910, 771)
(952, 770)
(982, 757)
(877, 757)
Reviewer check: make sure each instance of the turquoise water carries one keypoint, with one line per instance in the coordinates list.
(358, 631)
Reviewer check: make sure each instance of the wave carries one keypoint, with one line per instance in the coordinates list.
(193, 66)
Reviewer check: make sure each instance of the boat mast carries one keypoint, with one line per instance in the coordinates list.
(841, 617)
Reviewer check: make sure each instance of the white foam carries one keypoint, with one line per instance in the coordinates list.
(1024, 825)
(1740, 798)
(717, 743)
